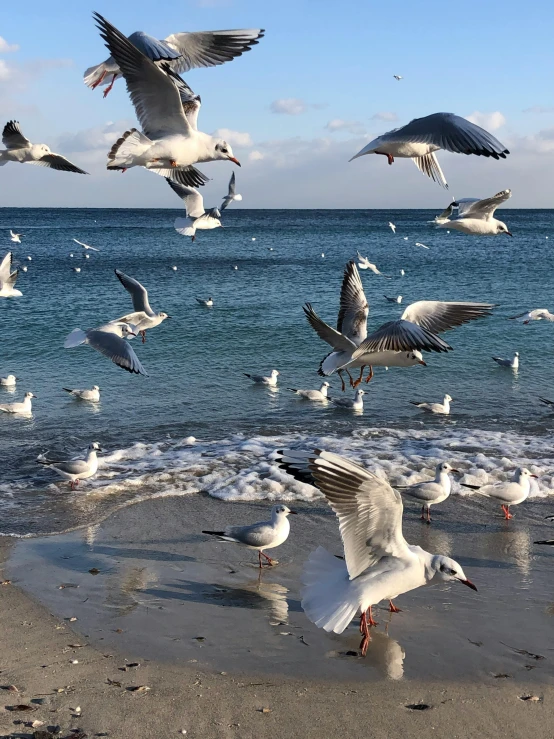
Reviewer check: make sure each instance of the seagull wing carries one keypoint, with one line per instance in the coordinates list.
(190, 101)
(485, 208)
(338, 341)
(437, 316)
(429, 165)
(154, 95)
(193, 200)
(211, 48)
(353, 311)
(230, 193)
(137, 292)
(368, 509)
(6, 267)
(12, 138)
(117, 349)
(56, 161)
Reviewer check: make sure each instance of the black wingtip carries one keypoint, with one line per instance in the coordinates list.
(214, 533)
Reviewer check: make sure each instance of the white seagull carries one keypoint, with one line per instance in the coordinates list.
(180, 52)
(20, 149)
(197, 218)
(509, 493)
(23, 407)
(85, 246)
(76, 269)
(232, 195)
(422, 137)
(392, 227)
(167, 110)
(476, 217)
(431, 492)
(260, 536)
(512, 363)
(8, 278)
(75, 469)
(356, 403)
(395, 343)
(398, 77)
(364, 263)
(315, 395)
(378, 564)
(207, 302)
(539, 314)
(92, 395)
(109, 340)
(398, 299)
(8, 381)
(143, 317)
(441, 408)
(270, 380)
(16, 238)
(418, 243)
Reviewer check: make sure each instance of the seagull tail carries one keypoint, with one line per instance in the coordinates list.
(75, 338)
(67, 390)
(429, 165)
(182, 226)
(548, 542)
(333, 362)
(328, 597)
(96, 76)
(126, 149)
(2, 160)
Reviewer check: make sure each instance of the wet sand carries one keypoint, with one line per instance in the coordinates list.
(217, 642)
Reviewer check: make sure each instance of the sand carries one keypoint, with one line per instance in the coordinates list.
(216, 645)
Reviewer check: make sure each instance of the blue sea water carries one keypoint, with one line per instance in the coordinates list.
(196, 360)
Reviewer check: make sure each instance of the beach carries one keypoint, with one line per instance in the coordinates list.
(217, 643)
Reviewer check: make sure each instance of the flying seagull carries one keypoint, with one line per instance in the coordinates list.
(476, 217)
(143, 317)
(8, 278)
(86, 247)
(109, 340)
(20, 149)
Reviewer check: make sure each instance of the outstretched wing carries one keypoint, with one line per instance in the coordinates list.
(12, 138)
(193, 200)
(338, 341)
(137, 292)
(353, 312)
(485, 208)
(210, 48)
(117, 349)
(56, 161)
(437, 316)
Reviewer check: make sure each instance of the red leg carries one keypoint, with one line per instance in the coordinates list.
(370, 375)
(423, 513)
(98, 81)
(109, 87)
(390, 158)
(364, 630)
(260, 559)
(143, 334)
(393, 608)
(349, 375)
(270, 561)
(507, 514)
(360, 378)
(428, 514)
(370, 620)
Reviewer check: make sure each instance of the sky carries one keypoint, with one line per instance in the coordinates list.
(296, 107)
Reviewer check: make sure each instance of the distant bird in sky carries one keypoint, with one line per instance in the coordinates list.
(85, 246)
(16, 238)
(392, 227)
(231, 194)
(398, 77)
(475, 217)
(422, 137)
(20, 149)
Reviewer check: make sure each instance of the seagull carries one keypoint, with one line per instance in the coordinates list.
(109, 340)
(93, 394)
(167, 110)
(512, 363)
(260, 536)
(315, 395)
(179, 51)
(23, 407)
(144, 317)
(16, 238)
(75, 469)
(392, 227)
(422, 137)
(364, 263)
(395, 343)
(548, 542)
(262, 380)
(20, 149)
(431, 492)
(8, 278)
(85, 246)
(441, 408)
(76, 269)
(174, 268)
(197, 218)
(87, 256)
(356, 403)
(402, 273)
(24, 269)
(476, 217)
(378, 564)
(508, 493)
(398, 77)
(231, 194)
(8, 381)
(539, 314)
(206, 302)
(398, 299)
(29, 259)
(418, 243)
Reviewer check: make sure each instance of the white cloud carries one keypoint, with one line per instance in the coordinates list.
(90, 139)
(489, 121)
(288, 106)
(256, 156)
(384, 115)
(5, 71)
(353, 127)
(539, 109)
(235, 138)
(5, 48)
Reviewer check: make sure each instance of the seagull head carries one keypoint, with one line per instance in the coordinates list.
(522, 473)
(274, 373)
(279, 511)
(445, 468)
(163, 316)
(502, 228)
(445, 569)
(30, 395)
(127, 330)
(95, 387)
(94, 447)
(448, 398)
(417, 357)
(223, 151)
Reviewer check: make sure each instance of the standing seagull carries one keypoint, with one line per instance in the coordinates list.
(76, 469)
(431, 492)
(86, 247)
(364, 263)
(440, 408)
(511, 363)
(24, 407)
(508, 493)
(169, 140)
(180, 52)
(144, 317)
(260, 536)
(476, 217)
(8, 278)
(378, 564)
(109, 340)
(422, 137)
(20, 149)
(271, 380)
(16, 238)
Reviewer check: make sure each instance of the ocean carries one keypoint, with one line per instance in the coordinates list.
(196, 359)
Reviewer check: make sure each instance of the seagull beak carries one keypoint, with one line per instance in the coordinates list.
(294, 513)
(456, 471)
(508, 233)
(422, 362)
(236, 161)
(468, 583)
(131, 333)
(535, 476)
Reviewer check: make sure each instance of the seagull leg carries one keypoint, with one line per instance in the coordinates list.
(143, 334)
(339, 373)
(269, 560)
(98, 81)
(423, 513)
(393, 608)
(428, 514)
(390, 158)
(351, 379)
(360, 378)
(364, 630)
(74, 484)
(507, 514)
(172, 163)
(370, 619)
(370, 375)
(260, 559)
(109, 87)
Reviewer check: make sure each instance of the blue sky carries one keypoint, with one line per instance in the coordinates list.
(327, 67)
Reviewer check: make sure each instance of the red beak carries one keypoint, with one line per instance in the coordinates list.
(423, 363)
(236, 161)
(535, 476)
(469, 584)
(508, 233)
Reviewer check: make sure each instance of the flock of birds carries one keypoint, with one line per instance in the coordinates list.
(378, 562)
